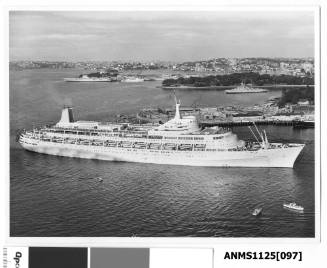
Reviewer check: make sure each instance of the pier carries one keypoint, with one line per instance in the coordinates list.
(229, 123)
(244, 123)
(294, 123)
(270, 87)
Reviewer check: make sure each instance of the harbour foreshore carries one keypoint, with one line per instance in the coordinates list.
(301, 116)
(231, 87)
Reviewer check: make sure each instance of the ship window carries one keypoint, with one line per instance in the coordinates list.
(198, 138)
(155, 137)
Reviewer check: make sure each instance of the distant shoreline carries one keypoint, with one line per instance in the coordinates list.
(230, 87)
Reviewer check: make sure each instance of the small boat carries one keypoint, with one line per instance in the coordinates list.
(140, 145)
(169, 146)
(185, 147)
(99, 179)
(132, 79)
(154, 146)
(257, 212)
(293, 206)
(126, 144)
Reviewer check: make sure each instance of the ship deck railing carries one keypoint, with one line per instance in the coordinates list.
(117, 134)
(249, 146)
(106, 143)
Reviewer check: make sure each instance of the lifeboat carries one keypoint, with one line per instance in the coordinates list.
(169, 146)
(111, 143)
(155, 146)
(185, 147)
(139, 145)
(126, 144)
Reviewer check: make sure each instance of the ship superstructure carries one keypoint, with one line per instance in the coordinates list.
(86, 78)
(180, 141)
(132, 79)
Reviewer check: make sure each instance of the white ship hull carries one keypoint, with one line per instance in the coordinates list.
(242, 89)
(87, 79)
(245, 92)
(279, 157)
(133, 80)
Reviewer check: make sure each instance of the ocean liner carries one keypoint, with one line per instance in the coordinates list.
(86, 78)
(180, 141)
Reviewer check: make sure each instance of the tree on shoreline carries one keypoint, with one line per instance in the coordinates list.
(293, 95)
(237, 78)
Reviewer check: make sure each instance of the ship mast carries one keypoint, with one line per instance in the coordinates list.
(263, 136)
(177, 113)
(266, 139)
(253, 134)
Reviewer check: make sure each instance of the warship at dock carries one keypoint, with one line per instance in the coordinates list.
(180, 141)
(245, 89)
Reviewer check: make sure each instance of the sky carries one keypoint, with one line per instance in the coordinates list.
(159, 35)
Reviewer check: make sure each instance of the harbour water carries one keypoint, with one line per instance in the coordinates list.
(57, 196)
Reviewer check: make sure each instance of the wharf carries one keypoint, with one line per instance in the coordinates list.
(229, 123)
(271, 87)
(294, 123)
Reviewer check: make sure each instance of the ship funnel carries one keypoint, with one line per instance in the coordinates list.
(177, 113)
(67, 115)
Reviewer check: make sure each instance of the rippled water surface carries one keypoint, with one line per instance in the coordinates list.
(57, 196)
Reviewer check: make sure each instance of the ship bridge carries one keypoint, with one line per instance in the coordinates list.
(178, 125)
